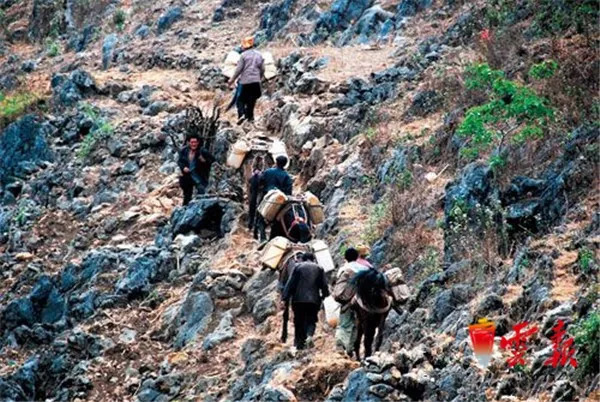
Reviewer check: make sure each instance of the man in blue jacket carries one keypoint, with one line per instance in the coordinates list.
(277, 177)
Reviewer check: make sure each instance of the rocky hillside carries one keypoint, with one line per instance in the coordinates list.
(459, 139)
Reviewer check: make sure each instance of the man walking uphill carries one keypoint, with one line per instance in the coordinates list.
(306, 288)
(277, 178)
(343, 293)
(250, 70)
(194, 163)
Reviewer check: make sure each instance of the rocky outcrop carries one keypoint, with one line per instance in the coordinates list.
(206, 217)
(68, 90)
(274, 17)
(24, 148)
(170, 17)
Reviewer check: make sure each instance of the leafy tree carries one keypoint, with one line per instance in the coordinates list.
(513, 112)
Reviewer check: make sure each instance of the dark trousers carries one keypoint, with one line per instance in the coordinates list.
(248, 97)
(276, 230)
(238, 101)
(260, 228)
(305, 322)
(187, 184)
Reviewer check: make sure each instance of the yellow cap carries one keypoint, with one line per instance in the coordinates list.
(363, 250)
(247, 42)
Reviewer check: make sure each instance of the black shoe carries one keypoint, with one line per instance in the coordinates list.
(240, 120)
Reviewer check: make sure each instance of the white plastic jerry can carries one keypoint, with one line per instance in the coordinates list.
(270, 66)
(332, 311)
(315, 208)
(274, 252)
(278, 149)
(271, 204)
(323, 255)
(237, 154)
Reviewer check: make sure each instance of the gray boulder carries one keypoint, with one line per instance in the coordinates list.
(192, 319)
(207, 217)
(171, 16)
(143, 272)
(448, 300)
(224, 332)
(24, 141)
(108, 48)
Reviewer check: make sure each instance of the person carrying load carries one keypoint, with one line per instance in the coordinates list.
(194, 163)
(343, 293)
(250, 71)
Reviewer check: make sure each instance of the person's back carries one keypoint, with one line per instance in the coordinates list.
(277, 178)
(306, 288)
(307, 284)
(252, 67)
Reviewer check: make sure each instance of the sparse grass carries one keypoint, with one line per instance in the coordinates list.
(374, 228)
(15, 105)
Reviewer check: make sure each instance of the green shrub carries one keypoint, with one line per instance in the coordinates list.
(101, 130)
(587, 340)
(586, 260)
(15, 105)
(513, 112)
(119, 19)
(52, 48)
(545, 69)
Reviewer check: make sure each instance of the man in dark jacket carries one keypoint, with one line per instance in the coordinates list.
(277, 177)
(306, 288)
(194, 163)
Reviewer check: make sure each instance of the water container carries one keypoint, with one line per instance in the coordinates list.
(323, 255)
(270, 67)
(315, 208)
(274, 252)
(272, 204)
(237, 154)
(278, 149)
(332, 311)
(231, 62)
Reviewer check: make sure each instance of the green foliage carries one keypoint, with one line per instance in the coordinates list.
(586, 260)
(15, 105)
(587, 339)
(481, 76)
(545, 69)
(497, 162)
(101, 130)
(119, 18)
(52, 48)
(498, 12)
(512, 109)
(555, 17)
